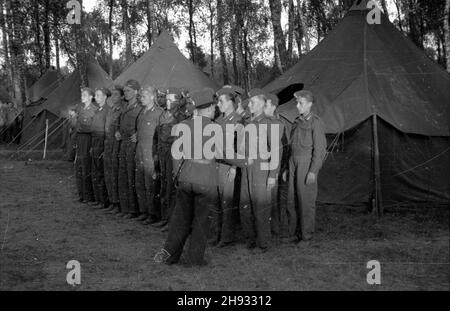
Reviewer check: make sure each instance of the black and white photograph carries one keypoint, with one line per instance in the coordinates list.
(224, 151)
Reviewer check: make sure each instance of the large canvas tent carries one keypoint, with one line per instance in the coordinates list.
(43, 87)
(385, 105)
(164, 66)
(54, 108)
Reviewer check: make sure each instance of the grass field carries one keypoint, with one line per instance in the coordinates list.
(41, 229)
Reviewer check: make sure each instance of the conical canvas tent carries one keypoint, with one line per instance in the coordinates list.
(55, 108)
(385, 105)
(163, 66)
(37, 94)
(43, 87)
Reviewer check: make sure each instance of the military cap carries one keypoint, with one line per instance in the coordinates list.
(256, 92)
(105, 91)
(230, 89)
(305, 94)
(273, 98)
(203, 98)
(174, 90)
(133, 84)
(88, 90)
(245, 103)
(117, 87)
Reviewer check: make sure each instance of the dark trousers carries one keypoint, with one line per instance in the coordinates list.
(145, 184)
(111, 168)
(225, 215)
(83, 167)
(275, 210)
(255, 205)
(127, 189)
(98, 176)
(167, 189)
(70, 148)
(301, 207)
(190, 218)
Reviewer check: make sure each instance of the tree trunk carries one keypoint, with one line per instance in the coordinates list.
(57, 44)
(211, 35)
(191, 30)
(110, 37)
(399, 17)
(305, 33)
(234, 41)
(38, 44)
(414, 32)
(243, 65)
(46, 29)
(8, 66)
(291, 31)
(81, 51)
(280, 43)
(220, 36)
(447, 33)
(15, 32)
(384, 7)
(58, 66)
(298, 29)
(149, 23)
(127, 30)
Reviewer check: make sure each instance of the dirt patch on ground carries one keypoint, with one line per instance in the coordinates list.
(41, 229)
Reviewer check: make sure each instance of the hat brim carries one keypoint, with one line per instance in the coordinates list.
(203, 106)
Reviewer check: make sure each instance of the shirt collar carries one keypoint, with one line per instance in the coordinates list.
(304, 118)
(258, 118)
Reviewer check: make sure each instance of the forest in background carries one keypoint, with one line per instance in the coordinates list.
(246, 41)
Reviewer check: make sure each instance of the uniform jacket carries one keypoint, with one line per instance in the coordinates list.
(147, 123)
(113, 120)
(163, 138)
(84, 118)
(128, 119)
(99, 120)
(307, 140)
(194, 172)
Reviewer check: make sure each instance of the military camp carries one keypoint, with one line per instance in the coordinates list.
(234, 146)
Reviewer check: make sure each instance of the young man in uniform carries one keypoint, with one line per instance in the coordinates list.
(226, 215)
(127, 165)
(308, 149)
(84, 115)
(147, 123)
(98, 148)
(174, 114)
(112, 147)
(272, 102)
(260, 178)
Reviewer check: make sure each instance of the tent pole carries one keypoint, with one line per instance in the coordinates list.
(46, 138)
(376, 164)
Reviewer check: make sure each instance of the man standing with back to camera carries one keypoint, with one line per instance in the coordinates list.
(196, 193)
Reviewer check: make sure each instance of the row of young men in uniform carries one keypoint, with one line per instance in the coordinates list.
(207, 187)
(212, 197)
(123, 140)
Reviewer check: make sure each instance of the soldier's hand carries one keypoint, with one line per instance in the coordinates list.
(310, 178)
(118, 136)
(133, 138)
(154, 176)
(284, 176)
(271, 182)
(231, 174)
(250, 161)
